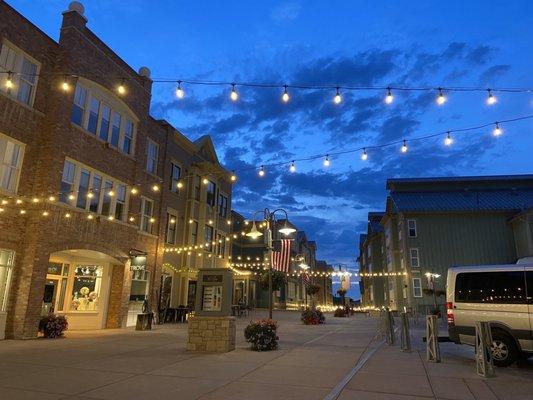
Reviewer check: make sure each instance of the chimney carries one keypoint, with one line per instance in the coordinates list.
(74, 16)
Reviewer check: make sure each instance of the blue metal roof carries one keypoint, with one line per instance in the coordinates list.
(482, 200)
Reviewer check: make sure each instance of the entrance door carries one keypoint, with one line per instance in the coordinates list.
(49, 297)
(191, 294)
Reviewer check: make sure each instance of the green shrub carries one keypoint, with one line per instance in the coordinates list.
(53, 325)
(313, 317)
(262, 335)
(340, 312)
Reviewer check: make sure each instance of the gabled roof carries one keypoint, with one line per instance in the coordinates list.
(478, 200)
(205, 147)
(373, 222)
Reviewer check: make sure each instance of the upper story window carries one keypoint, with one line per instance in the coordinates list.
(211, 193)
(197, 187)
(175, 175)
(417, 287)
(172, 223)
(93, 191)
(415, 260)
(152, 154)
(11, 154)
(411, 226)
(222, 206)
(103, 116)
(23, 77)
(147, 214)
(208, 237)
(194, 232)
(369, 251)
(221, 245)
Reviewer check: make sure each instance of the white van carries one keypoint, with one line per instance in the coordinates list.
(500, 294)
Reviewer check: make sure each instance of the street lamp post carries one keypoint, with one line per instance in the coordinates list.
(270, 218)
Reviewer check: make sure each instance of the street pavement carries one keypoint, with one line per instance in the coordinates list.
(342, 359)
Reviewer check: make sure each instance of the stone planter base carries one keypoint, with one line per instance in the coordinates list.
(211, 334)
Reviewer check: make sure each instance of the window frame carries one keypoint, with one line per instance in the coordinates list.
(171, 214)
(415, 228)
(174, 182)
(417, 287)
(4, 143)
(223, 205)
(211, 196)
(148, 157)
(146, 227)
(411, 257)
(209, 228)
(9, 266)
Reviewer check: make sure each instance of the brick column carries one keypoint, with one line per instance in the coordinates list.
(119, 294)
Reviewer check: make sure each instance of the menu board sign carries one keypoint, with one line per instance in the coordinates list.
(212, 278)
(212, 298)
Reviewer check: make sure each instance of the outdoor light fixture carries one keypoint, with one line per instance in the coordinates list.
(364, 156)
(179, 185)
(111, 193)
(448, 141)
(205, 181)
(326, 161)
(389, 98)
(254, 233)
(180, 94)
(121, 89)
(134, 190)
(65, 86)
(52, 198)
(261, 171)
(234, 96)
(491, 99)
(292, 167)
(497, 130)
(46, 213)
(285, 97)
(9, 80)
(286, 229)
(233, 177)
(441, 99)
(155, 188)
(337, 99)
(404, 147)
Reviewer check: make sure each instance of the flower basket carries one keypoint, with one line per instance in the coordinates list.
(262, 335)
(340, 312)
(53, 325)
(313, 317)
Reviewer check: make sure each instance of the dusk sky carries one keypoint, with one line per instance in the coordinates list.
(359, 43)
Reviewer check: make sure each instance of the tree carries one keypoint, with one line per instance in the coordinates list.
(312, 290)
(278, 280)
(342, 292)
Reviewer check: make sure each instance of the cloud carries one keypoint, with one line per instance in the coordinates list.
(286, 12)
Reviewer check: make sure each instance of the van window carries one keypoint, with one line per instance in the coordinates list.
(503, 287)
(529, 285)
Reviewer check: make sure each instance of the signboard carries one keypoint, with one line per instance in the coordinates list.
(138, 263)
(212, 278)
(212, 298)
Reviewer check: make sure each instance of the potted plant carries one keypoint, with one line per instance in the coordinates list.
(53, 325)
(262, 335)
(339, 312)
(342, 292)
(312, 290)
(312, 316)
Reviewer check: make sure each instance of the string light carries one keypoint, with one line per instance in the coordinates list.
(65, 86)
(111, 193)
(497, 131)
(179, 185)
(261, 171)
(134, 190)
(110, 218)
(292, 168)
(205, 181)
(90, 194)
(491, 99)
(18, 201)
(404, 147)
(389, 97)
(285, 97)
(364, 156)
(180, 93)
(233, 177)
(90, 216)
(132, 219)
(448, 141)
(71, 196)
(4, 202)
(326, 161)
(155, 188)
(22, 212)
(67, 215)
(337, 99)
(441, 99)
(234, 96)
(9, 81)
(152, 220)
(121, 89)
(52, 198)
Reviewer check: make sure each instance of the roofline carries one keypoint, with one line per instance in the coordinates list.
(30, 22)
(484, 178)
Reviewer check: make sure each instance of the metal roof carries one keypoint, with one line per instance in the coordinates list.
(471, 200)
(462, 178)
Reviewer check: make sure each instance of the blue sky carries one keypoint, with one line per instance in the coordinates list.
(416, 43)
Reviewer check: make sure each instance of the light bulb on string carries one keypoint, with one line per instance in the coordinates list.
(337, 99)
(9, 81)
(491, 99)
(121, 89)
(364, 156)
(285, 97)
(389, 97)
(205, 181)
(234, 96)
(441, 99)
(404, 147)
(233, 177)
(326, 161)
(180, 93)
(261, 171)
(134, 190)
(292, 167)
(497, 131)
(448, 140)
(65, 86)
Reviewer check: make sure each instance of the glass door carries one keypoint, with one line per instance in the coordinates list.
(49, 297)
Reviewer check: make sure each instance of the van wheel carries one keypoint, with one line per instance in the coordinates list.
(503, 348)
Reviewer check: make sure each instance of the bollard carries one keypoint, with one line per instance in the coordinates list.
(432, 339)
(389, 328)
(405, 337)
(484, 363)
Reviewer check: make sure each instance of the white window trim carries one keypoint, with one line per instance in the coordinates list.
(104, 177)
(409, 229)
(19, 166)
(148, 141)
(415, 287)
(9, 274)
(142, 215)
(180, 166)
(171, 214)
(228, 210)
(417, 257)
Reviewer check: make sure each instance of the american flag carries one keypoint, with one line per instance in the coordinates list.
(281, 259)
(306, 279)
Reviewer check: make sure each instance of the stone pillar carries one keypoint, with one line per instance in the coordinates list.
(211, 334)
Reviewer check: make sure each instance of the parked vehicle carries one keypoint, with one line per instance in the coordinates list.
(499, 294)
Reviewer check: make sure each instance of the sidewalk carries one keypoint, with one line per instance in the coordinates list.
(392, 374)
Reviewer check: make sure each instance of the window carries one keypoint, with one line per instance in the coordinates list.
(194, 232)
(400, 229)
(211, 193)
(24, 74)
(11, 155)
(101, 115)
(413, 254)
(529, 286)
(151, 156)
(222, 206)
(78, 108)
(197, 187)
(86, 288)
(208, 237)
(91, 190)
(147, 209)
(369, 251)
(139, 285)
(172, 222)
(417, 287)
(175, 174)
(6, 266)
(221, 245)
(505, 287)
(411, 225)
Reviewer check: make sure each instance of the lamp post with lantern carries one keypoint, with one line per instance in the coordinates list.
(431, 282)
(269, 218)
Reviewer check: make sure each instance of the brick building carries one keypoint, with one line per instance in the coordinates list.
(86, 176)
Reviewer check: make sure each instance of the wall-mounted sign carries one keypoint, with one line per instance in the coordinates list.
(212, 278)
(138, 263)
(212, 298)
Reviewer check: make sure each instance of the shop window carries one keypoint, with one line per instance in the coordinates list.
(147, 209)
(139, 285)
(11, 154)
(24, 74)
(6, 266)
(152, 151)
(86, 288)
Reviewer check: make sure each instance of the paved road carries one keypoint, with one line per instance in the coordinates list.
(311, 361)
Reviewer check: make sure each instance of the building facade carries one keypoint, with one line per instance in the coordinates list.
(87, 208)
(431, 224)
